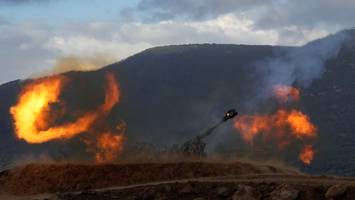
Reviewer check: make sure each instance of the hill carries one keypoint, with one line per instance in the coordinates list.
(170, 94)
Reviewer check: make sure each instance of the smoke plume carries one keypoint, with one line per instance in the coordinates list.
(78, 63)
(282, 78)
(73, 63)
(301, 65)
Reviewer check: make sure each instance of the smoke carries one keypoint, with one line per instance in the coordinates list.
(78, 63)
(300, 65)
(73, 63)
(289, 67)
(29, 158)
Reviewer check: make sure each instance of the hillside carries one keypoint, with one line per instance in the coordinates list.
(182, 180)
(169, 94)
(43, 176)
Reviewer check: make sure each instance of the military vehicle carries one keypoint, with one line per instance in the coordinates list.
(196, 146)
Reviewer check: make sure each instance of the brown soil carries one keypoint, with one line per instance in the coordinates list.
(44, 178)
(186, 180)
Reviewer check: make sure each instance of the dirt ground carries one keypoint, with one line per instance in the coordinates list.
(184, 180)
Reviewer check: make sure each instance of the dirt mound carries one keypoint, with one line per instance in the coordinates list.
(52, 178)
(238, 187)
(217, 191)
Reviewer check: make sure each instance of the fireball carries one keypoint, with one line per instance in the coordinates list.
(281, 125)
(284, 126)
(109, 146)
(307, 154)
(30, 114)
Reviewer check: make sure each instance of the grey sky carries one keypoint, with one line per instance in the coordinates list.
(267, 13)
(16, 2)
(30, 45)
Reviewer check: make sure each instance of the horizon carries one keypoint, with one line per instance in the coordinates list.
(36, 35)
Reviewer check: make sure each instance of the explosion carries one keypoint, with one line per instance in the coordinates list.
(30, 113)
(284, 93)
(283, 126)
(307, 154)
(34, 113)
(109, 146)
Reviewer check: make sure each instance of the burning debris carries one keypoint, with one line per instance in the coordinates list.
(284, 126)
(107, 145)
(36, 115)
(307, 154)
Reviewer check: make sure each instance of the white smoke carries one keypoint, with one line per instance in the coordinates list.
(300, 65)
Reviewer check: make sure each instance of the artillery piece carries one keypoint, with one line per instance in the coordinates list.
(196, 146)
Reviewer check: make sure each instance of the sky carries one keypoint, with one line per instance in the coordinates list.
(36, 34)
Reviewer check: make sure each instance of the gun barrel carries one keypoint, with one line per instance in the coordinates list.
(209, 131)
(196, 146)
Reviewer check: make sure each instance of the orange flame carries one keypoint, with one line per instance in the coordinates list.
(112, 95)
(301, 125)
(285, 93)
(250, 126)
(307, 154)
(31, 111)
(109, 146)
(282, 125)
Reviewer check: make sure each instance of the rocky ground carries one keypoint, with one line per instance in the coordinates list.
(186, 180)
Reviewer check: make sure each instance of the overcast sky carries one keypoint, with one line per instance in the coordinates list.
(35, 33)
